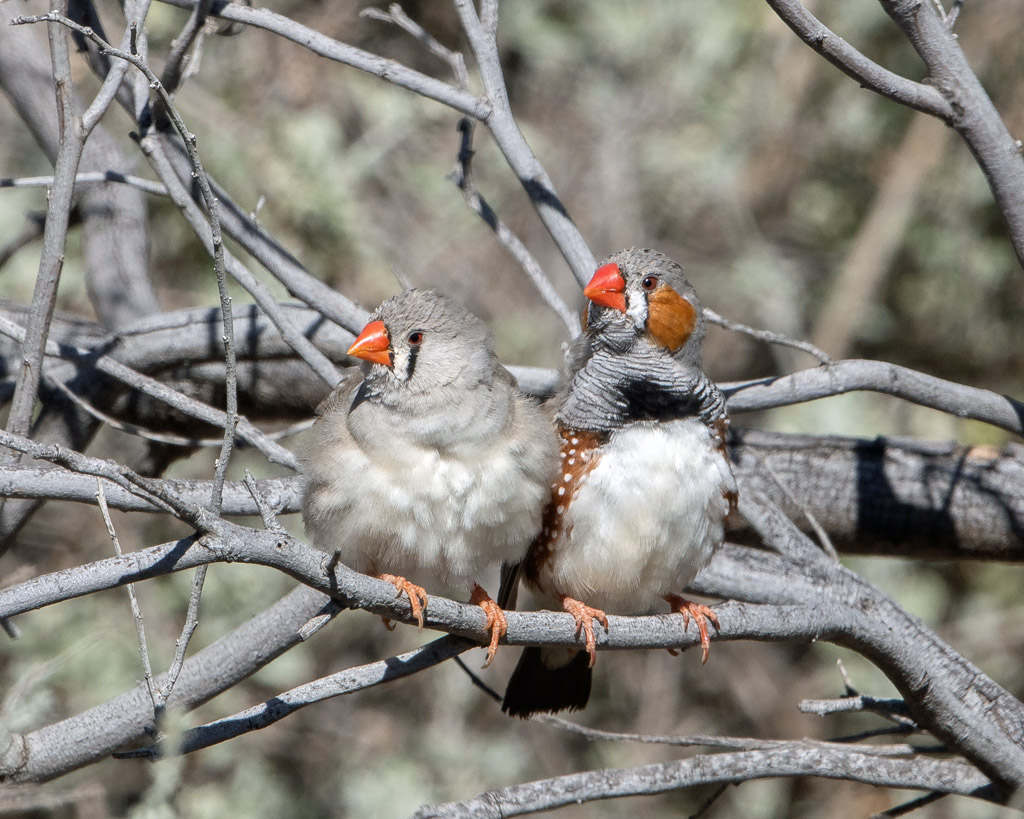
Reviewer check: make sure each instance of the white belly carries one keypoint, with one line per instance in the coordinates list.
(644, 520)
(433, 518)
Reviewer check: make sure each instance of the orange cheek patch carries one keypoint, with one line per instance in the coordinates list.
(671, 319)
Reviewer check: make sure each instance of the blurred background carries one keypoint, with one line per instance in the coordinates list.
(796, 201)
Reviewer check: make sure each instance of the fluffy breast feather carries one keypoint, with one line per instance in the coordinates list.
(428, 515)
(644, 520)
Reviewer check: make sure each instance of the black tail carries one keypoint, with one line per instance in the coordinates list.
(538, 685)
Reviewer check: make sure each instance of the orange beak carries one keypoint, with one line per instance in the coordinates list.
(373, 344)
(607, 288)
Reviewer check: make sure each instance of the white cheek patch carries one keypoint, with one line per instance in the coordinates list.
(637, 307)
(400, 363)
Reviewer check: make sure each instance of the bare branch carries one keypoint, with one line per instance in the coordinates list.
(891, 709)
(797, 759)
(140, 627)
(87, 178)
(810, 598)
(877, 376)
(115, 231)
(911, 805)
(851, 62)
(972, 113)
(23, 481)
(153, 147)
(396, 15)
(267, 512)
(71, 743)
(58, 213)
(319, 44)
(155, 492)
(181, 644)
(509, 139)
(703, 740)
(463, 179)
(174, 68)
(767, 336)
(150, 386)
(288, 702)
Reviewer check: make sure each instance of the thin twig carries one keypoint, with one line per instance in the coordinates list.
(267, 512)
(853, 374)
(150, 386)
(155, 492)
(140, 627)
(174, 69)
(396, 15)
(45, 483)
(130, 429)
(475, 679)
(851, 764)
(892, 709)
(461, 175)
(767, 336)
(853, 63)
(86, 178)
(892, 730)
(153, 148)
(58, 212)
(710, 801)
(288, 702)
(823, 539)
(513, 145)
(331, 49)
(911, 805)
(710, 741)
(181, 644)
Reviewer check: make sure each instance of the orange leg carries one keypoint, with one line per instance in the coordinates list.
(701, 614)
(417, 597)
(585, 617)
(496, 622)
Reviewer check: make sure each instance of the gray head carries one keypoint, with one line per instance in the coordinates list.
(640, 296)
(420, 340)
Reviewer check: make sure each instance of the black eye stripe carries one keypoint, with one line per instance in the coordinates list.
(411, 363)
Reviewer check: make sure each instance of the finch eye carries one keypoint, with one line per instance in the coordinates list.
(649, 283)
(415, 338)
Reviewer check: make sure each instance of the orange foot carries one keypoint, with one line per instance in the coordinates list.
(701, 615)
(417, 597)
(496, 622)
(585, 617)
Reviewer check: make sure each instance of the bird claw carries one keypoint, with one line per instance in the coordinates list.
(701, 614)
(497, 623)
(585, 616)
(417, 595)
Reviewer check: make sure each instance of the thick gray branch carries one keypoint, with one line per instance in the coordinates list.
(798, 598)
(877, 376)
(94, 734)
(794, 759)
(50, 483)
(890, 497)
